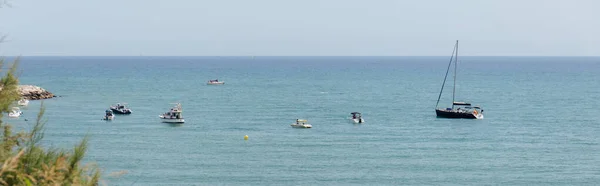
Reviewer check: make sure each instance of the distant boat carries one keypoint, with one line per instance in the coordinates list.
(108, 115)
(301, 123)
(15, 112)
(174, 115)
(23, 102)
(458, 109)
(120, 109)
(215, 82)
(357, 117)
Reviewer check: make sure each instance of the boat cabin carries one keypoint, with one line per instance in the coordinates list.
(301, 121)
(464, 107)
(109, 113)
(119, 106)
(462, 103)
(16, 110)
(356, 115)
(174, 113)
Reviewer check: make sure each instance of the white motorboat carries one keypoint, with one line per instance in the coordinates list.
(301, 123)
(15, 112)
(109, 115)
(23, 102)
(357, 117)
(174, 115)
(215, 82)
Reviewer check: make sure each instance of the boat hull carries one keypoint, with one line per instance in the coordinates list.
(357, 120)
(305, 126)
(14, 114)
(455, 114)
(169, 120)
(215, 83)
(108, 118)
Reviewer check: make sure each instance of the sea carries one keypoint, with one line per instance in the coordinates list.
(541, 124)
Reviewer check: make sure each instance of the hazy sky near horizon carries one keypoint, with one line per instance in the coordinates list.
(301, 27)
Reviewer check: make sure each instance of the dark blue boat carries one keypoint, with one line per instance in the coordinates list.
(120, 109)
(459, 109)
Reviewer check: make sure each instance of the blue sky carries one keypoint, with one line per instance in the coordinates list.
(301, 27)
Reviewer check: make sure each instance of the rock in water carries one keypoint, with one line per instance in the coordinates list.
(32, 92)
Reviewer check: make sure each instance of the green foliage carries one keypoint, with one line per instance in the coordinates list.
(9, 85)
(26, 162)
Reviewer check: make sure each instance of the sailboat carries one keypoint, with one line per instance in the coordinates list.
(458, 109)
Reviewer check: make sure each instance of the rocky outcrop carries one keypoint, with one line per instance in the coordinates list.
(32, 92)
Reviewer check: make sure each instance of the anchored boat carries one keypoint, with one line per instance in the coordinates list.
(108, 115)
(15, 112)
(301, 123)
(357, 117)
(120, 108)
(174, 115)
(458, 109)
(215, 82)
(23, 102)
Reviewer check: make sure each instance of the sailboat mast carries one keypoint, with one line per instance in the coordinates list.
(455, 64)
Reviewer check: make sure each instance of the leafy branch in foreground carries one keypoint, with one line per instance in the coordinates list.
(26, 161)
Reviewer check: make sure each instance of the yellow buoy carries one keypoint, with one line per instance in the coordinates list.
(246, 137)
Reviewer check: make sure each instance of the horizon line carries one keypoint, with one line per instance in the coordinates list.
(290, 56)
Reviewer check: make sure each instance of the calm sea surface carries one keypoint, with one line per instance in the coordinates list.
(541, 126)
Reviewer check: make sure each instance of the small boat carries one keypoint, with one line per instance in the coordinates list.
(15, 112)
(174, 115)
(215, 82)
(357, 117)
(301, 123)
(23, 102)
(120, 109)
(109, 115)
(458, 109)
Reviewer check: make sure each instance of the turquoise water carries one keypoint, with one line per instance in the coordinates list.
(541, 121)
